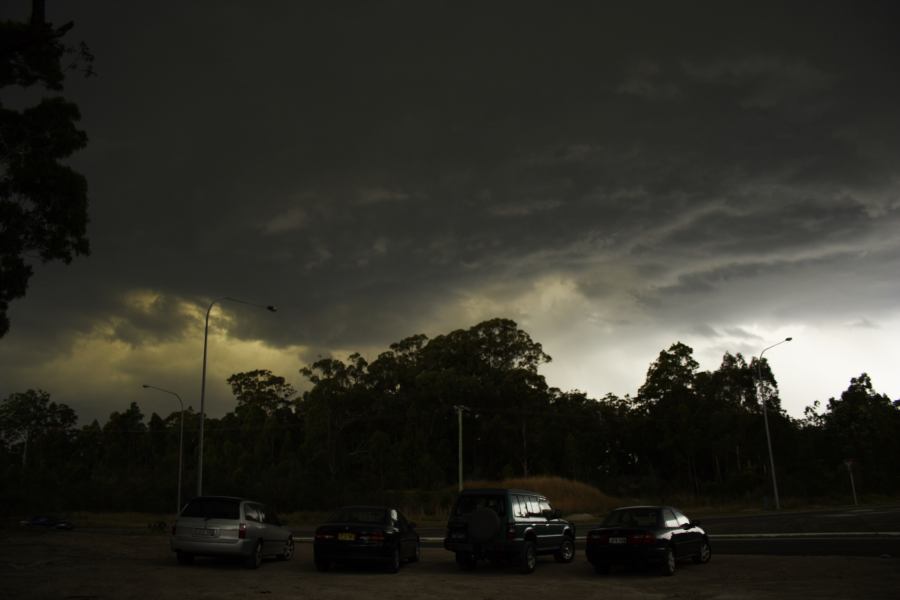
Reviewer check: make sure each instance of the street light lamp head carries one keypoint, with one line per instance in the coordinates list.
(271, 308)
(145, 386)
(788, 339)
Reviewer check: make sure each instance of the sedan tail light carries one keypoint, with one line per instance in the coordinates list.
(375, 537)
(642, 538)
(595, 537)
(324, 536)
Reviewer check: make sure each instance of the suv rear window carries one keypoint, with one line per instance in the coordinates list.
(213, 508)
(469, 503)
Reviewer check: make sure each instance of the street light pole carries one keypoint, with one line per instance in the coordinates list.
(270, 308)
(180, 442)
(766, 420)
(459, 411)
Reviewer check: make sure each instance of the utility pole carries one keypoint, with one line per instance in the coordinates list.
(849, 463)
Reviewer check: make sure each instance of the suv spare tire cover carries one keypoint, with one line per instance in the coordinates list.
(484, 524)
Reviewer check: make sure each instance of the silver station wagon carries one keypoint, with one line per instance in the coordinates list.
(230, 527)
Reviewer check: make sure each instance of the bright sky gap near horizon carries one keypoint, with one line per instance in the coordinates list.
(613, 178)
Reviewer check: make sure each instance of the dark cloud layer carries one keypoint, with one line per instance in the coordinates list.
(379, 168)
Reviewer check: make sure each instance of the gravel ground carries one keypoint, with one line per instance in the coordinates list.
(88, 565)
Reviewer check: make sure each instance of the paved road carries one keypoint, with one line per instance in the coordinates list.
(882, 546)
(874, 519)
(854, 531)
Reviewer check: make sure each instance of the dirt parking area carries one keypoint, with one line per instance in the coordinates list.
(97, 565)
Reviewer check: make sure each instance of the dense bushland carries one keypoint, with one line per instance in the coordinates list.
(388, 429)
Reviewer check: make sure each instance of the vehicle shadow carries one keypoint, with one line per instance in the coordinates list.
(545, 564)
(635, 572)
(350, 569)
(210, 563)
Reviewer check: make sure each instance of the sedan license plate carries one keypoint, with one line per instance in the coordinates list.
(346, 537)
(617, 540)
(205, 532)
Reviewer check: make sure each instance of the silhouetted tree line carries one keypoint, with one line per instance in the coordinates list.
(366, 429)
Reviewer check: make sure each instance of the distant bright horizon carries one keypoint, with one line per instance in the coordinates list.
(615, 179)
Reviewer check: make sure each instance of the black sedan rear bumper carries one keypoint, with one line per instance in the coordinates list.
(353, 552)
(618, 554)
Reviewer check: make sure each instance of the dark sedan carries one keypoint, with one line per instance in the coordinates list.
(366, 534)
(646, 535)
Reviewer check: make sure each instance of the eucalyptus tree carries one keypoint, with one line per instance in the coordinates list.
(32, 425)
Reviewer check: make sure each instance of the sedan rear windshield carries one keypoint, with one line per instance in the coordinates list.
(359, 515)
(213, 508)
(632, 517)
(469, 503)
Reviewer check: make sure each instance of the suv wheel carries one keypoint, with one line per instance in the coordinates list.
(566, 551)
(529, 557)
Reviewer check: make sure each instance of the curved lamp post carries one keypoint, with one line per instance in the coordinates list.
(270, 308)
(766, 420)
(460, 409)
(180, 441)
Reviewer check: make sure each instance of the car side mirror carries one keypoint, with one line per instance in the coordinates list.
(695, 523)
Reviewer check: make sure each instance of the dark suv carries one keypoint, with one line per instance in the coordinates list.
(505, 525)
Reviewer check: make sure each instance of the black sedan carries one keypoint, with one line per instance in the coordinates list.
(366, 534)
(646, 535)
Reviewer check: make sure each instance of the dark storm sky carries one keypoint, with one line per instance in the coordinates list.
(613, 178)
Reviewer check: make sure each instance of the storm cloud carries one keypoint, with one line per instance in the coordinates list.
(614, 179)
